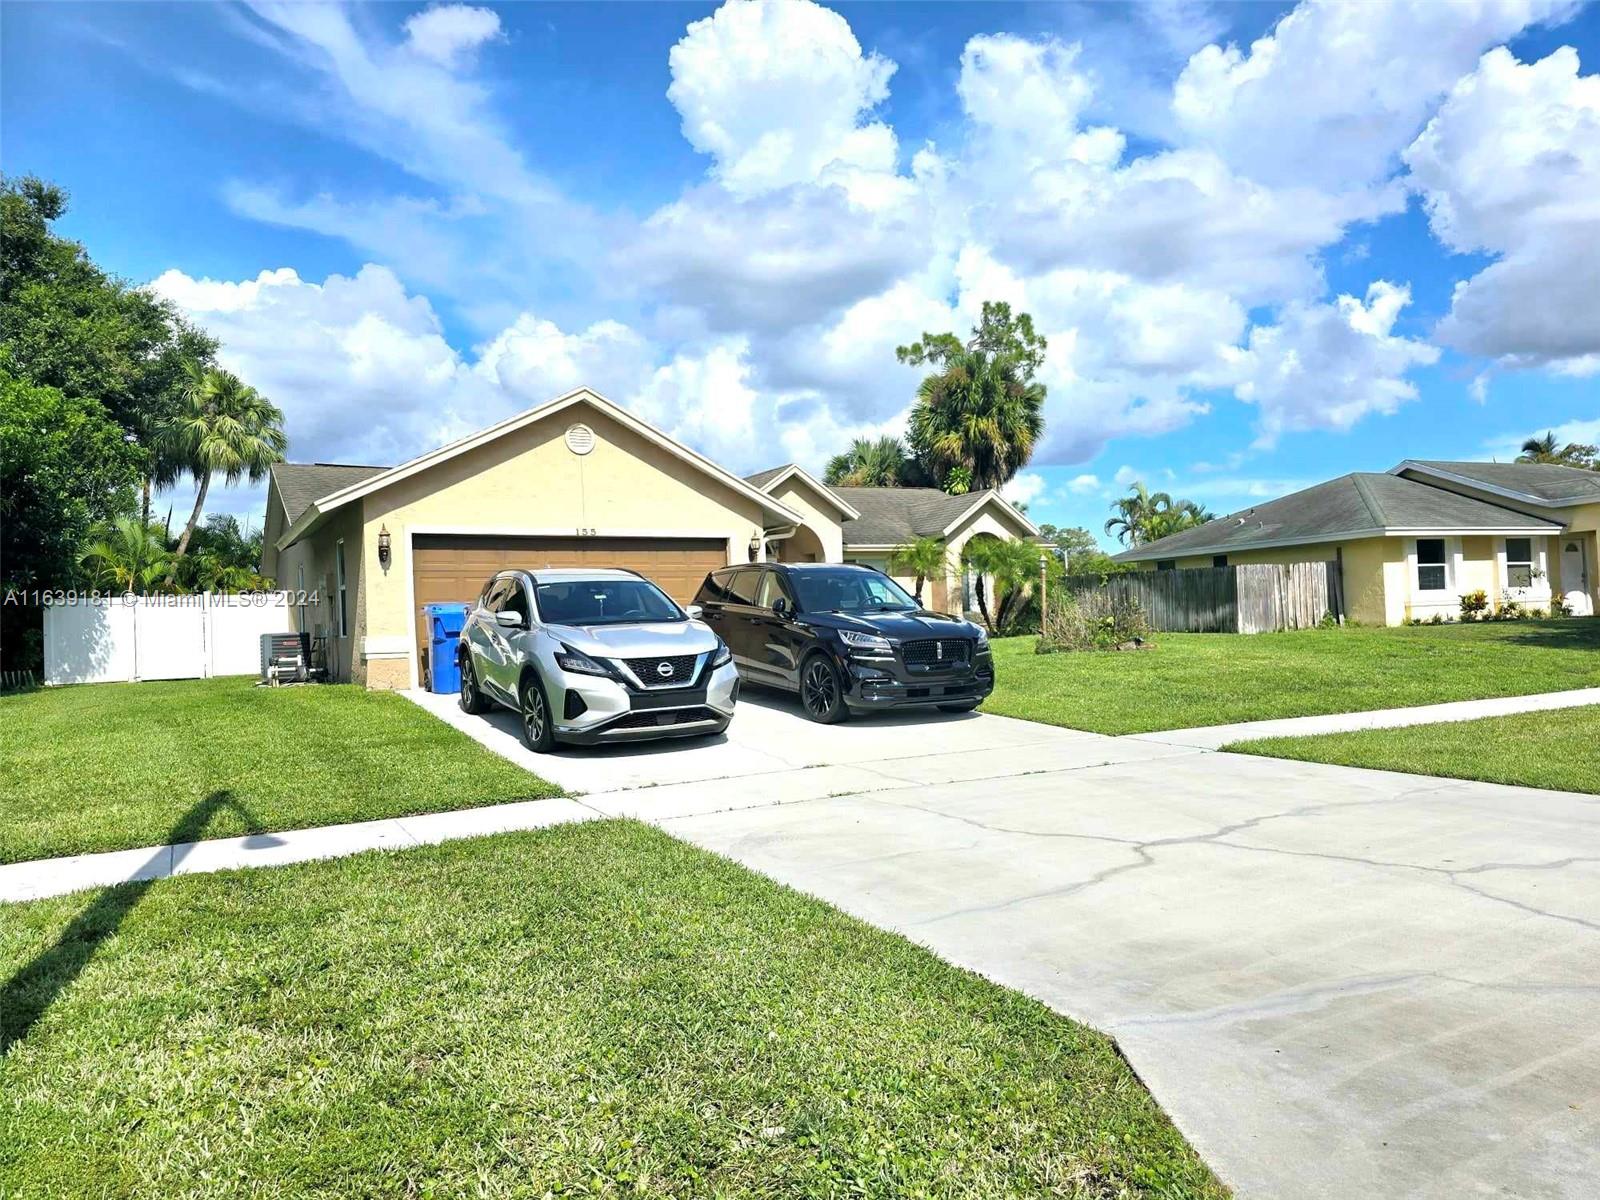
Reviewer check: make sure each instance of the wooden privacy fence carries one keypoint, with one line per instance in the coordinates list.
(1249, 598)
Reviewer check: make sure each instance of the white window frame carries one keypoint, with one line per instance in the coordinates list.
(339, 579)
(1447, 565)
(1538, 587)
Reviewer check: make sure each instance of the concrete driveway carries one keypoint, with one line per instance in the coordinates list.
(1338, 982)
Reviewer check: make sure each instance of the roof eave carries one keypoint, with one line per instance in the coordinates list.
(1154, 550)
(847, 510)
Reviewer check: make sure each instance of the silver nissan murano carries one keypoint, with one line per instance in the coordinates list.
(589, 656)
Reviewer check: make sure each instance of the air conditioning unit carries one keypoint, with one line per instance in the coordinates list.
(285, 657)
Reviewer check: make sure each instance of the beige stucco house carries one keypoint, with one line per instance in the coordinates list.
(1414, 540)
(576, 481)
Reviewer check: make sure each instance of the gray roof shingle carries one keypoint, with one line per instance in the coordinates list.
(761, 478)
(1357, 505)
(893, 516)
(1548, 482)
(299, 484)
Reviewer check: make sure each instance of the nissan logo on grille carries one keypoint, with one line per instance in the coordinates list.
(664, 669)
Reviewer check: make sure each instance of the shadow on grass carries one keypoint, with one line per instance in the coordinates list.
(1569, 633)
(29, 993)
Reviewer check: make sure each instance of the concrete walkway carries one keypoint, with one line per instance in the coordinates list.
(1214, 737)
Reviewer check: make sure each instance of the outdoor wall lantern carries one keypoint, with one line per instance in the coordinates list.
(755, 548)
(383, 547)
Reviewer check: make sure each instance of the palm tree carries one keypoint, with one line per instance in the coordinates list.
(976, 419)
(1134, 512)
(1012, 566)
(124, 553)
(867, 463)
(926, 558)
(224, 427)
(1547, 450)
(979, 416)
(1143, 516)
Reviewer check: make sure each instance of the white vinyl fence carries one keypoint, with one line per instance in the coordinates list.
(131, 638)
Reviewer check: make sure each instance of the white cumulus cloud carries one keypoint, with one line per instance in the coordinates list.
(1510, 166)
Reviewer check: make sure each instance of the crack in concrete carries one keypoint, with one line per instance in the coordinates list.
(1217, 837)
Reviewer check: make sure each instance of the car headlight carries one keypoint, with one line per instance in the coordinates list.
(579, 663)
(721, 656)
(867, 643)
(983, 638)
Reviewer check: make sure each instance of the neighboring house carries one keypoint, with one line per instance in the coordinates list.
(578, 481)
(1413, 541)
(880, 520)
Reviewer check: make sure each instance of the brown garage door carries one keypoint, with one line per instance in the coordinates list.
(453, 567)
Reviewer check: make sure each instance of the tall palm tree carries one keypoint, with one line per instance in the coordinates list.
(124, 553)
(926, 558)
(978, 418)
(1539, 449)
(868, 463)
(224, 427)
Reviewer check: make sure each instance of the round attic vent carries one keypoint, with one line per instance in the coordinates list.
(580, 439)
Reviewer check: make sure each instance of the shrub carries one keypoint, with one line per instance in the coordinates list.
(1092, 620)
(1474, 605)
(1510, 608)
(1559, 607)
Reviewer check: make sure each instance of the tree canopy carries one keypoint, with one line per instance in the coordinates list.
(1546, 449)
(979, 415)
(1143, 516)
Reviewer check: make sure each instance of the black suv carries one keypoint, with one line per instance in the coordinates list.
(846, 638)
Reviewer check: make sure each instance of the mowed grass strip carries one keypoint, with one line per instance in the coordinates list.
(593, 1010)
(1558, 750)
(116, 766)
(1195, 679)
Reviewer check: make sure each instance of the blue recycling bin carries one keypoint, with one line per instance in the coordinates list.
(445, 622)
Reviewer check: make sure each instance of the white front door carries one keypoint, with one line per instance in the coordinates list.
(1575, 577)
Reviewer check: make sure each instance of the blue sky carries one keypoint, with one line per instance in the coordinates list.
(1269, 244)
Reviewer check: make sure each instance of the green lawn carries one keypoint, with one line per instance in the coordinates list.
(1194, 679)
(1559, 750)
(592, 1010)
(114, 766)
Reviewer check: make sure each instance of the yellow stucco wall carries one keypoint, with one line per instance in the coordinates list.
(820, 517)
(314, 560)
(526, 482)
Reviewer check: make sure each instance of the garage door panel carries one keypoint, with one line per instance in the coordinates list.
(452, 568)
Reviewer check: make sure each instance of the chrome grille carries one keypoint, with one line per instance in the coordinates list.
(673, 671)
(936, 652)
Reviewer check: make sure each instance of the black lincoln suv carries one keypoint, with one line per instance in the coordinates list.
(846, 638)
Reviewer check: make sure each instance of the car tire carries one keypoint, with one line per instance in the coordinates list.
(538, 726)
(965, 706)
(821, 692)
(472, 699)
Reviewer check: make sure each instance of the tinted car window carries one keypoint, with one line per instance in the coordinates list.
(496, 596)
(516, 600)
(742, 587)
(851, 591)
(604, 602)
(772, 586)
(715, 589)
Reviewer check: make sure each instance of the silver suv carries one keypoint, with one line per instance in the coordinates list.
(592, 656)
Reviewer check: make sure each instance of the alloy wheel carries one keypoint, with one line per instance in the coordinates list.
(533, 714)
(821, 690)
(467, 696)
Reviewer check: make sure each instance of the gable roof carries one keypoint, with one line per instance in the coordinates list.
(774, 477)
(312, 515)
(1536, 483)
(1363, 504)
(894, 516)
(301, 484)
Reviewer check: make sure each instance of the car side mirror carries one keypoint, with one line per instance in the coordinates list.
(780, 606)
(694, 611)
(511, 620)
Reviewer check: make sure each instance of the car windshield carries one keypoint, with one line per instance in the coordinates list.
(849, 591)
(604, 602)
